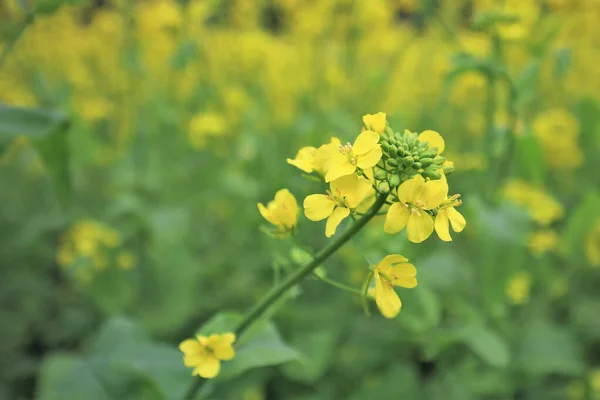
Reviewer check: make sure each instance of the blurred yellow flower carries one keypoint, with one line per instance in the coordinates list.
(517, 289)
(543, 241)
(393, 270)
(375, 122)
(205, 125)
(541, 207)
(364, 154)
(282, 212)
(126, 260)
(205, 354)
(346, 193)
(416, 199)
(595, 382)
(557, 131)
(592, 245)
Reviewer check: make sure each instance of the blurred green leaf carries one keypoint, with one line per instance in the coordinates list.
(529, 160)
(317, 348)
(487, 344)
(585, 214)
(31, 123)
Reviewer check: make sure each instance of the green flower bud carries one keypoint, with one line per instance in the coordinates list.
(385, 146)
(389, 131)
(408, 161)
(398, 136)
(383, 187)
(394, 180)
(393, 151)
(433, 175)
(380, 174)
(320, 272)
(417, 165)
(448, 169)
(392, 162)
(416, 158)
(429, 154)
(426, 162)
(439, 160)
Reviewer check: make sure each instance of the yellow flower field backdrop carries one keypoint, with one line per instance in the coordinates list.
(165, 165)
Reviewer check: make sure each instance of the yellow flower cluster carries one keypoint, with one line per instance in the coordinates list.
(404, 170)
(543, 241)
(557, 131)
(88, 246)
(541, 207)
(518, 288)
(205, 354)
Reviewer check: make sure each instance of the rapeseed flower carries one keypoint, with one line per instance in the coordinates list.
(375, 122)
(205, 354)
(393, 270)
(365, 153)
(282, 212)
(518, 288)
(346, 194)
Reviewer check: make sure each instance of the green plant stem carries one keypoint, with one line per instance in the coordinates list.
(14, 39)
(339, 285)
(292, 280)
(504, 163)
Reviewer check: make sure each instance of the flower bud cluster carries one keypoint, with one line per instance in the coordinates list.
(404, 157)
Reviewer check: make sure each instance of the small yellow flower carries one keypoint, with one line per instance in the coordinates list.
(416, 197)
(518, 288)
(375, 122)
(346, 193)
(447, 215)
(393, 270)
(543, 241)
(305, 159)
(541, 207)
(281, 212)
(203, 126)
(126, 260)
(364, 154)
(205, 354)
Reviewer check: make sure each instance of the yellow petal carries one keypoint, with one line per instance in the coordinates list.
(433, 139)
(224, 351)
(376, 122)
(286, 208)
(456, 219)
(419, 226)
(304, 159)
(209, 368)
(386, 298)
(441, 226)
(339, 169)
(190, 346)
(352, 189)
(324, 154)
(365, 142)
(318, 207)
(396, 218)
(334, 220)
(402, 271)
(370, 159)
(434, 193)
(264, 211)
(389, 261)
(410, 191)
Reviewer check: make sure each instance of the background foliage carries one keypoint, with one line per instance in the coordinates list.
(137, 137)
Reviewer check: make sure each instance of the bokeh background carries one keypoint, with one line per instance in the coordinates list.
(136, 138)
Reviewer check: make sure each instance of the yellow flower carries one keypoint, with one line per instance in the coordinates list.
(281, 212)
(557, 131)
(346, 193)
(543, 241)
(203, 126)
(541, 207)
(364, 154)
(305, 159)
(392, 271)
(518, 287)
(126, 260)
(310, 159)
(592, 245)
(447, 215)
(416, 198)
(433, 139)
(375, 122)
(204, 354)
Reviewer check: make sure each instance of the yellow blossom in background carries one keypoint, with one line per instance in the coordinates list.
(205, 354)
(364, 154)
(417, 197)
(526, 13)
(541, 207)
(282, 212)
(204, 126)
(126, 260)
(557, 131)
(393, 270)
(592, 245)
(376, 122)
(543, 241)
(518, 287)
(595, 383)
(346, 193)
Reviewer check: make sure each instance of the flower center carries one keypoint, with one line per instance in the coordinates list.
(347, 150)
(337, 198)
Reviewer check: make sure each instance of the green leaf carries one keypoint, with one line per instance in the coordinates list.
(486, 344)
(32, 123)
(317, 348)
(547, 348)
(584, 216)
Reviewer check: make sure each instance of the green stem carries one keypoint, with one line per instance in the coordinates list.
(339, 285)
(504, 163)
(14, 39)
(292, 280)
